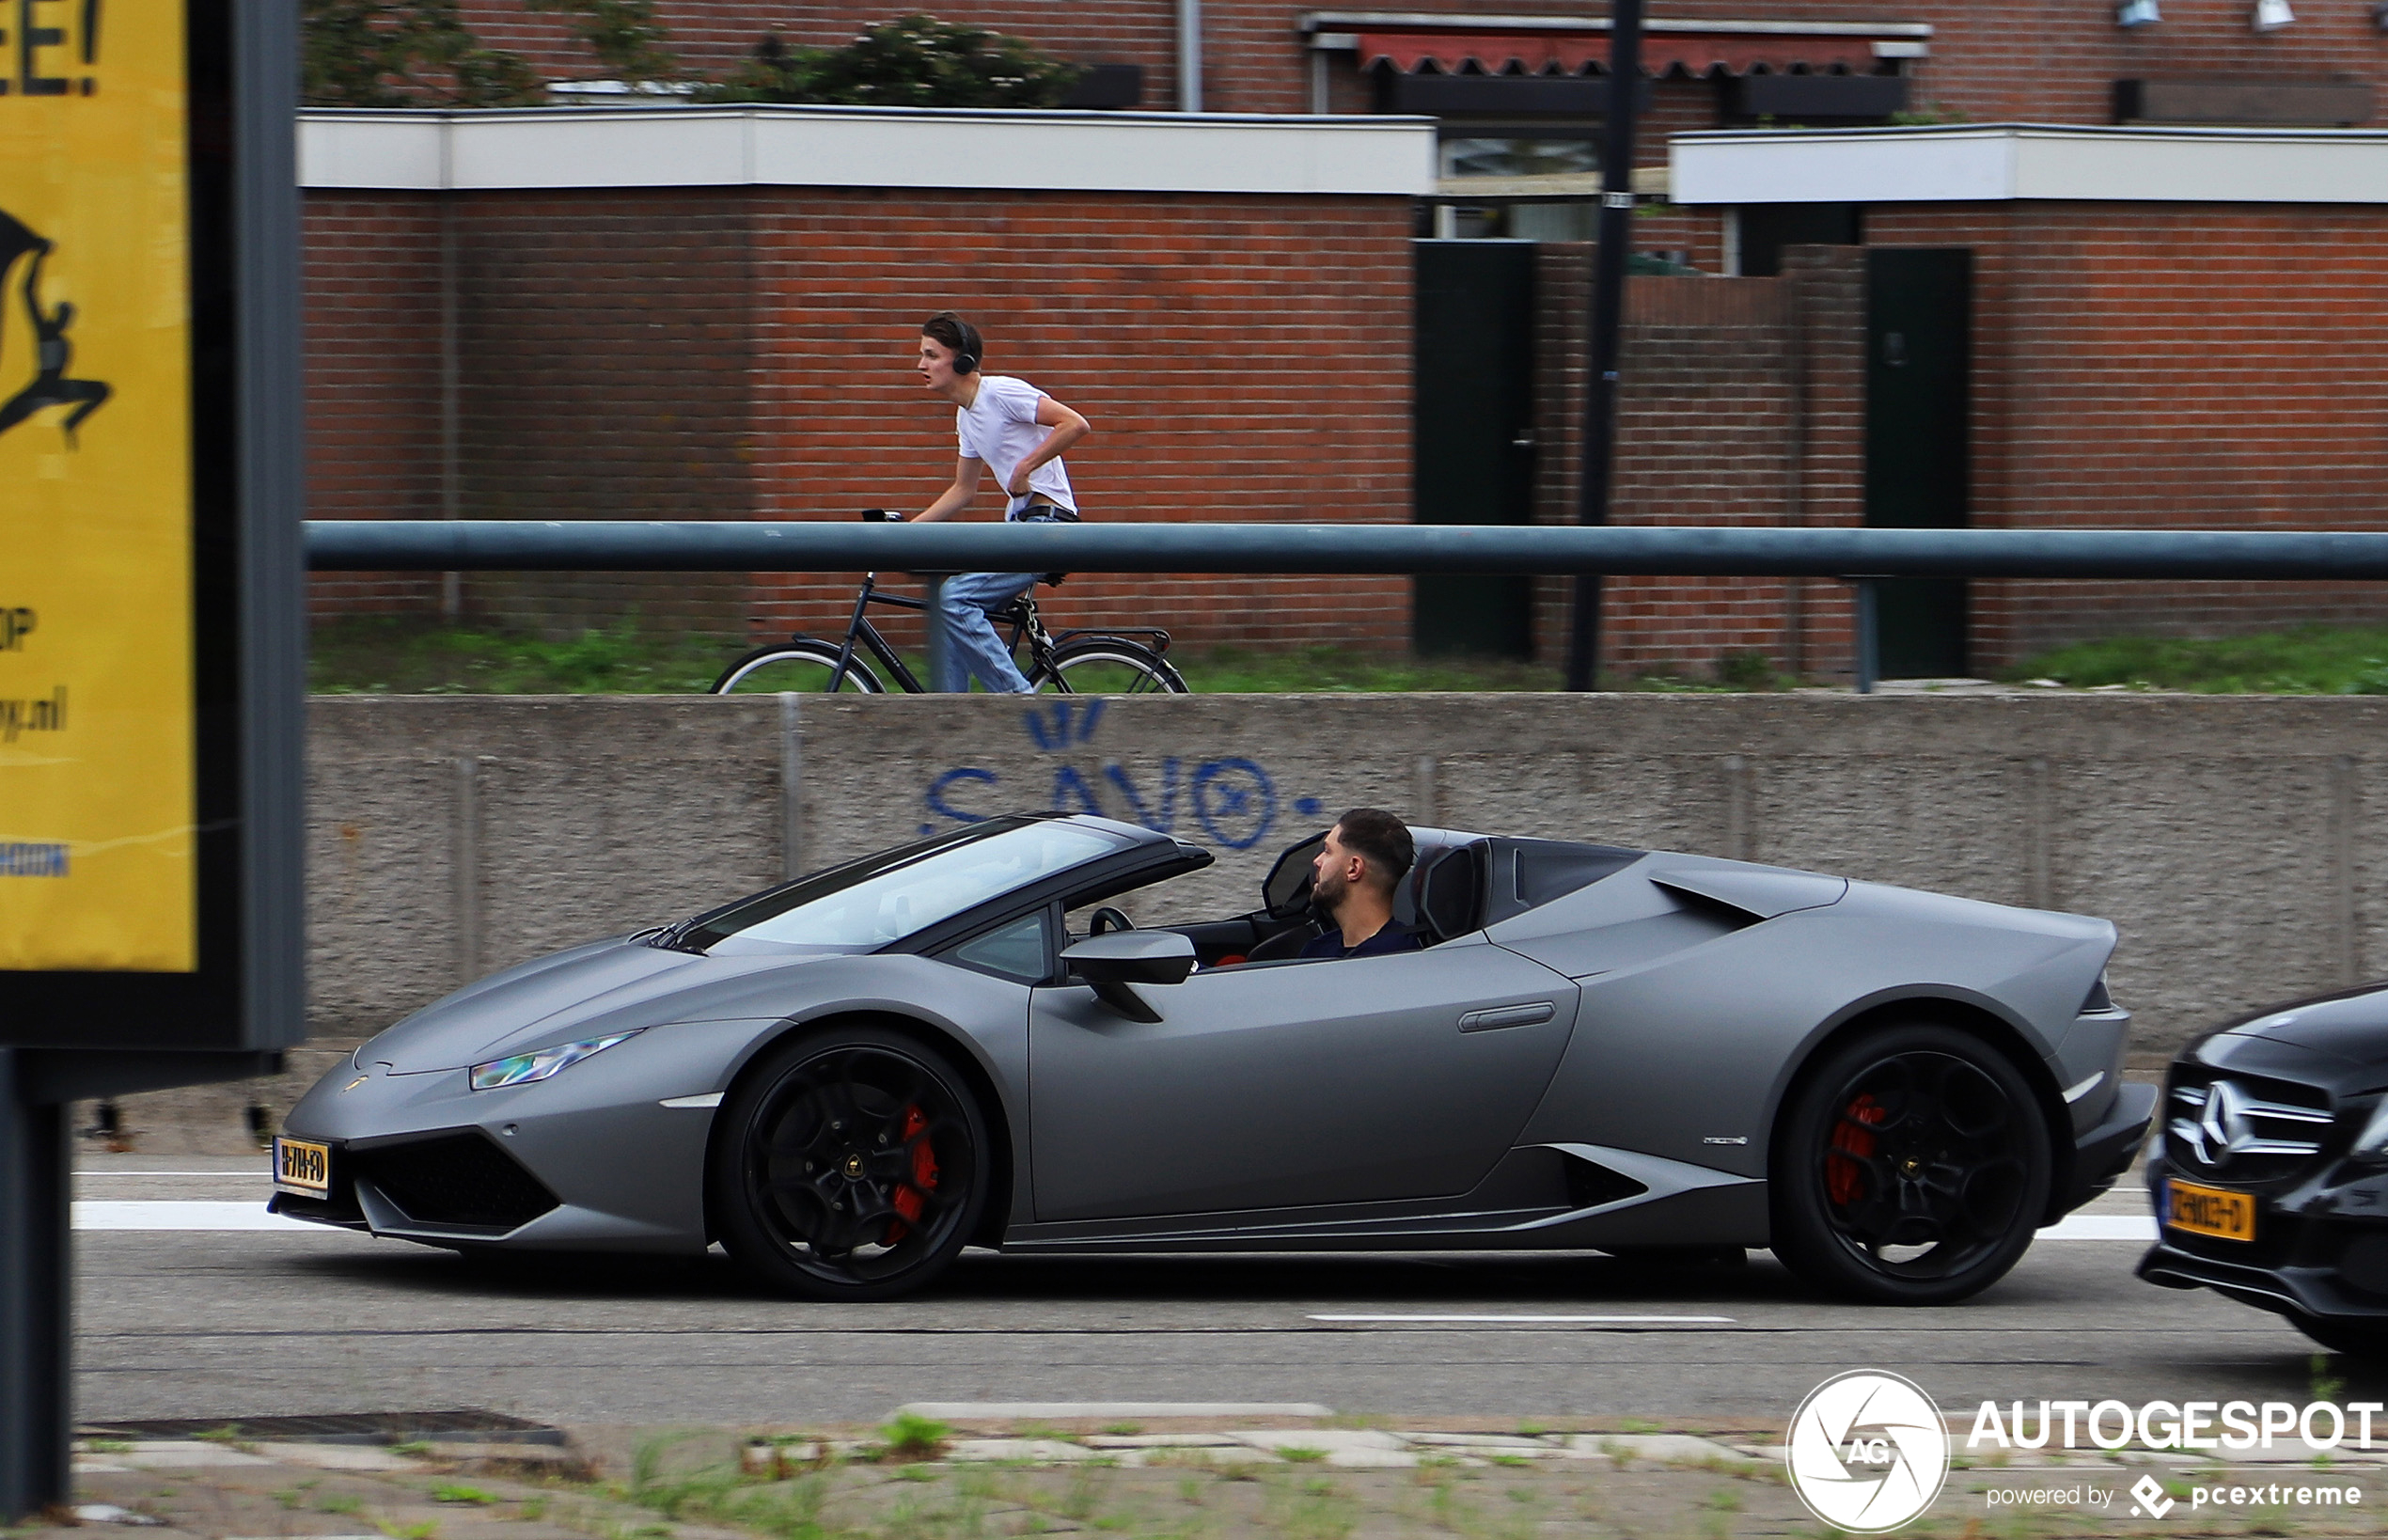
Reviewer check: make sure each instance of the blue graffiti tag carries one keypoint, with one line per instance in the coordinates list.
(1231, 794)
(1070, 787)
(938, 787)
(1167, 822)
(1061, 735)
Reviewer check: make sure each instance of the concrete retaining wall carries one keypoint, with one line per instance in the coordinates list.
(2233, 839)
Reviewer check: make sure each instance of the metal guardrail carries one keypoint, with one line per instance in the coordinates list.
(1857, 556)
(1622, 551)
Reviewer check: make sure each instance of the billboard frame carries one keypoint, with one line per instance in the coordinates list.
(248, 644)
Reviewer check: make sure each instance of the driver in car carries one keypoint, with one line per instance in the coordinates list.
(1353, 879)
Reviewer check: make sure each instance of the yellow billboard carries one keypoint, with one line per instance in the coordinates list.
(97, 717)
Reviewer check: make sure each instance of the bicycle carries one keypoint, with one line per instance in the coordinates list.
(1074, 662)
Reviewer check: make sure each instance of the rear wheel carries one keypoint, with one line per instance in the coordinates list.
(850, 1165)
(1912, 1167)
(1109, 666)
(805, 664)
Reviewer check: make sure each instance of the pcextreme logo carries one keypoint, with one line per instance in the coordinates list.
(1869, 1452)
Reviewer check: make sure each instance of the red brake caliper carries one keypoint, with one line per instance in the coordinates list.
(912, 1196)
(1844, 1178)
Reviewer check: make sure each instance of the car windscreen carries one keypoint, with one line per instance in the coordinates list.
(872, 902)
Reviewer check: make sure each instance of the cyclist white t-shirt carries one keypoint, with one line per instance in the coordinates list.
(1000, 427)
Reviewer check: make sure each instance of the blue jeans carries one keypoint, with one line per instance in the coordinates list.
(971, 645)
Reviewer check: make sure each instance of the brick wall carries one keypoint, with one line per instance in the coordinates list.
(372, 379)
(744, 354)
(1224, 364)
(1741, 405)
(2169, 367)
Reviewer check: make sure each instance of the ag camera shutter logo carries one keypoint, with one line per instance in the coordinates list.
(1869, 1450)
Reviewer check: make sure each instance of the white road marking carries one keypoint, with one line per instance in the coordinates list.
(1536, 1320)
(2101, 1227)
(185, 1216)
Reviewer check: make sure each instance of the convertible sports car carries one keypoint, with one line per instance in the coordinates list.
(847, 1078)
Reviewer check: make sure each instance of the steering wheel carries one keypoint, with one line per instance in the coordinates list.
(1107, 919)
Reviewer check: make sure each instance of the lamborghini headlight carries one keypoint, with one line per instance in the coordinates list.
(524, 1068)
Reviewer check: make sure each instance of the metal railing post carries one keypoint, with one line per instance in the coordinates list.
(940, 641)
(1869, 659)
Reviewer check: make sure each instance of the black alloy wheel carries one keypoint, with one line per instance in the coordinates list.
(850, 1165)
(1911, 1166)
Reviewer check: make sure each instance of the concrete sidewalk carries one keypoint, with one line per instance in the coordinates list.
(1266, 1475)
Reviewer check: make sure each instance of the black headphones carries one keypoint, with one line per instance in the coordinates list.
(965, 357)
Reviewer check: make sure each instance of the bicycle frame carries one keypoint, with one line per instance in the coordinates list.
(1021, 612)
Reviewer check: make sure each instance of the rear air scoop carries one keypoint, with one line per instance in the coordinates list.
(1759, 893)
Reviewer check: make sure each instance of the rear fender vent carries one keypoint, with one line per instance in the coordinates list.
(459, 1179)
(1591, 1184)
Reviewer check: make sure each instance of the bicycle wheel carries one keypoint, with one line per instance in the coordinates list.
(803, 664)
(1109, 666)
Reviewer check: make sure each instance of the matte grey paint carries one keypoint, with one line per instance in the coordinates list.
(1277, 1106)
(1331, 1082)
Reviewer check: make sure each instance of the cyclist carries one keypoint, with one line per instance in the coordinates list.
(1021, 432)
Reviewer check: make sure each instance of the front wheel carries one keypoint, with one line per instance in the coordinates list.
(1912, 1167)
(1107, 666)
(803, 664)
(849, 1165)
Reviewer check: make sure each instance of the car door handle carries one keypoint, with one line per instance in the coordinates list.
(1507, 1015)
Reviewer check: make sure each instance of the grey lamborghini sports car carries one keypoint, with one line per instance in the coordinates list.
(847, 1078)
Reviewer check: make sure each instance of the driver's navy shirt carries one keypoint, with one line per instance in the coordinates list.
(1393, 937)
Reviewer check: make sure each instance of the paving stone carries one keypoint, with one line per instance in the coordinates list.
(1016, 1449)
(1159, 1440)
(182, 1454)
(1333, 1441)
(1657, 1448)
(338, 1456)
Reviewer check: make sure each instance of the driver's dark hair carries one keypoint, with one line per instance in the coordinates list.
(1382, 841)
(960, 338)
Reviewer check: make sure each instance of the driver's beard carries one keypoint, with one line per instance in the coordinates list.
(1327, 892)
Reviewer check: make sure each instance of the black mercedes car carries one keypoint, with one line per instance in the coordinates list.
(2269, 1167)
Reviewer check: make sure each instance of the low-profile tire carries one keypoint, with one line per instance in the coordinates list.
(2366, 1340)
(803, 664)
(1910, 1166)
(849, 1164)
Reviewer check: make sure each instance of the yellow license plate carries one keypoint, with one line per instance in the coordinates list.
(2209, 1211)
(303, 1164)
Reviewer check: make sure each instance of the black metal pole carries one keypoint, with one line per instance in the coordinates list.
(34, 1296)
(1607, 317)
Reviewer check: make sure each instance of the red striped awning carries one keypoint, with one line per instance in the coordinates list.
(1453, 51)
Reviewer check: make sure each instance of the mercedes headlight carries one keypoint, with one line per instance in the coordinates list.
(524, 1068)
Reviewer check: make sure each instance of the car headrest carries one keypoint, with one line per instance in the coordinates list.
(1444, 891)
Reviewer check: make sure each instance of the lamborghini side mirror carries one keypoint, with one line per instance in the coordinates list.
(1109, 964)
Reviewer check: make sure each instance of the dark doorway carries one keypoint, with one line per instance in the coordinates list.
(1767, 228)
(1472, 432)
(1919, 326)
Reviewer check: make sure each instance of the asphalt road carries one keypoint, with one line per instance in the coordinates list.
(212, 1323)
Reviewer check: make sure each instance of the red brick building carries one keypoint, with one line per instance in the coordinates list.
(711, 313)
(623, 332)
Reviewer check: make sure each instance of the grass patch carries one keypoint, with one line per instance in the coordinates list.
(392, 655)
(2298, 660)
(409, 655)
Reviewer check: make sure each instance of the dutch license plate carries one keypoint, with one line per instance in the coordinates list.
(302, 1164)
(2209, 1211)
